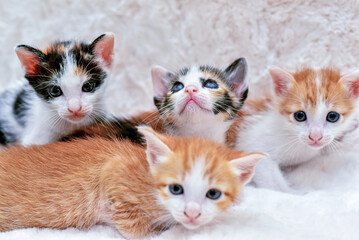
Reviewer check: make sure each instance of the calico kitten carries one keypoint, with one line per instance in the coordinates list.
(197, 101)
(137, 190)
(64, 91)
(311, 114)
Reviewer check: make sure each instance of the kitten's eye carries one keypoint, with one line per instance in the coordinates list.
(177, 86)
(210, 84)
(213, 194)
(88, 87)
(333, 117)
(55, 91)
(300, 116)
(176, 189)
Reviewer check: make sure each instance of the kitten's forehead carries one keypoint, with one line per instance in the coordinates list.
(315, 90)
(196, 180)
(197, 74)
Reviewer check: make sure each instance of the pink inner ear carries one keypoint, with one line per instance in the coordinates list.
(104, 49)
(351, 82)
(29, 61)
(246, 174)
(280, 86)
(354, 87)
(281, 79)
(158, 75)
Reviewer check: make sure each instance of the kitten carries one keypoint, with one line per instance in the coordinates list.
(96, 181)
(197, 101)
(64, 91)
(311, 114)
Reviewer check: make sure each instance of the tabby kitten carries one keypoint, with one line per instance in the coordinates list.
(197, 101)
(310, 115)
(64, 91)
(138, 191)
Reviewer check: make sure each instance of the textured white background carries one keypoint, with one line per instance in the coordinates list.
(179, 33)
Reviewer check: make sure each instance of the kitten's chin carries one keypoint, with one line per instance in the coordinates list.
(317, 146)
(191, 225)
(76, 119)
(191, 107)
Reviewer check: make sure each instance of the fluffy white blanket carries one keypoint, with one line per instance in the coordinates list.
(178, 33)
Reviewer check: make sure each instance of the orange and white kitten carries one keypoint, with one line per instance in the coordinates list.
(137, 190)
(311, 114)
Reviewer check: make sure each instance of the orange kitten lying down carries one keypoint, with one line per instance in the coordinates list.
(97, 181)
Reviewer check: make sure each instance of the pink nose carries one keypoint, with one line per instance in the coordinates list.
(191, 89)
(75, 110)
(192, 211)
(74, 106)
(315, 135)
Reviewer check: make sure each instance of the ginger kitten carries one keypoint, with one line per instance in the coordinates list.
(64, 91)
(311, 114)
(200, 101)
(139, 191)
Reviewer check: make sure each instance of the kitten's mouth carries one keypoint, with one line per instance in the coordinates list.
(77, 117)
(317, 144)
(192, 102)
(191, 224)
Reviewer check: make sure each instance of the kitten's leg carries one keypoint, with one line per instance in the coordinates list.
(130, 220)
(269, 175)
(123, 194)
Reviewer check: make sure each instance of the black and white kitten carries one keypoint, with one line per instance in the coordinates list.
(64, 91)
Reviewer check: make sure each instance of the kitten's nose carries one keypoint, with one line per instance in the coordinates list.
(192, 211)
(190, 89)
(74, 106)
(315, 135)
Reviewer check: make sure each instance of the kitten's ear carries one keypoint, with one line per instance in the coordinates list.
(102, 48)
(29, 57)
(281, 79)
(351, 82)
(236, 73)
(160, 77)
(244, 166)
(156, 150)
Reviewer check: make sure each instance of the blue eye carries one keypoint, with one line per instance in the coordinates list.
(210, 84)
(88, 87)
(177, 86)
(55, 91)
(300, 116)
(213, 194)
(176, 189)
(333, 117)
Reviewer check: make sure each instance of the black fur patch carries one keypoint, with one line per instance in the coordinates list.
(5, 137)
(97, 75)
(20, 107)
(47, 71)
(119, 128)
(3, 140)
(128, 130)
(225, 104)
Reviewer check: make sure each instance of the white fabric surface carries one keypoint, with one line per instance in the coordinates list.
(178, 33)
